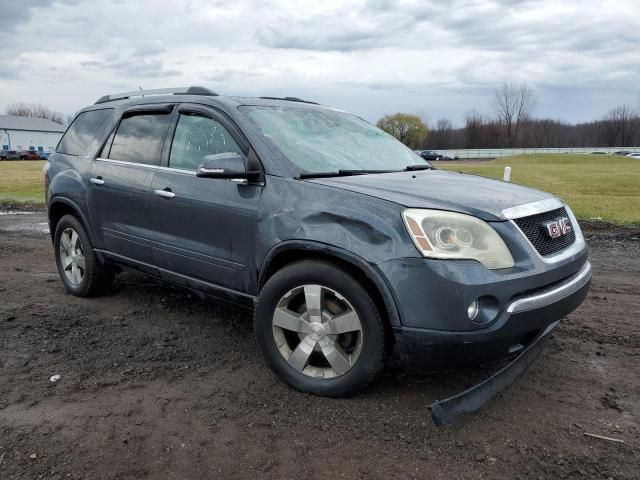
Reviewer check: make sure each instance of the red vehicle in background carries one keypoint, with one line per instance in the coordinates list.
(29, 155)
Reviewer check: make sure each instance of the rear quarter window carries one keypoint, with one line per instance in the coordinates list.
(86, 133)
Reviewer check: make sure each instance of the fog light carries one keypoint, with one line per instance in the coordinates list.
(472, 310)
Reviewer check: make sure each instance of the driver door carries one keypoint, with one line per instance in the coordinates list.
(207, 226)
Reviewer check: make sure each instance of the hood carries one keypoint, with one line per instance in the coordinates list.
(441, 190)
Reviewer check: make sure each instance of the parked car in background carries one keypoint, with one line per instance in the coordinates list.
(9, 155)
(634, 155)
(433, 155)
(29, 155)
(44, 155)
(430, 155)
(345, 254)
(623, 152)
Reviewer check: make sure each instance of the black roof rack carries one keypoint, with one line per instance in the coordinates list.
(291, 99)
(158, 91)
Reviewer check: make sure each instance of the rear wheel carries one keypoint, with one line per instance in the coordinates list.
(80, 272)
(319, 330)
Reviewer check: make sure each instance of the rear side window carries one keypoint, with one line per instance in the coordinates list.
(85, 133)
(196, 137)
(139, 137)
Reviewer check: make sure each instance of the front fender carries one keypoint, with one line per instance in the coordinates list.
(331, 251)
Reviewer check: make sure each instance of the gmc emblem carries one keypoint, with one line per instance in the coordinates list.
(557, 228)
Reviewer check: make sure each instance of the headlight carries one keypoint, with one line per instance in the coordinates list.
(439, 234)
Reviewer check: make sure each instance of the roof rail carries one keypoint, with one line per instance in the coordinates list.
(158, 91)
(291, 99)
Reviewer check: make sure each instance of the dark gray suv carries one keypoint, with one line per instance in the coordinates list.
(347, 244)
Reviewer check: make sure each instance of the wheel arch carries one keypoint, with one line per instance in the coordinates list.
(292, 251)
(58, 207)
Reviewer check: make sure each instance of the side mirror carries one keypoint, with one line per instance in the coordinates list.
(223, 165)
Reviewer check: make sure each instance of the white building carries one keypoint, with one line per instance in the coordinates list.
(26, 133)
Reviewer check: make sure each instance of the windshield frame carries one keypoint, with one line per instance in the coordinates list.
(296, 170)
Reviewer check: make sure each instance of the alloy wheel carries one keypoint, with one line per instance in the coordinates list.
(72, 256)
(317, 331)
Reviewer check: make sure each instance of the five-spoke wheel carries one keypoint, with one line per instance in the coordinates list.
(72, 256)
(79, 269)
(319, 329)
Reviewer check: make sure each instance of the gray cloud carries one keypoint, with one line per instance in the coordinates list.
(17, 12)
(143, 61)
(369, 56)
(134, 65)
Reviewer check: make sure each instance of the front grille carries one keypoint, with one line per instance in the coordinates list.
(533, 229)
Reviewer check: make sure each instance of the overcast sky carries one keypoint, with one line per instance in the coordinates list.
(436, 59)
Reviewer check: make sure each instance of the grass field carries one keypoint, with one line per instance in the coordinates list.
(599, 187)
(603, 187)
(21, 182)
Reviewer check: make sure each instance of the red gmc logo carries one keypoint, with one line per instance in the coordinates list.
(557, 228)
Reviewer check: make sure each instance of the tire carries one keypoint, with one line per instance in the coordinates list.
(91, 280)
(341, 362)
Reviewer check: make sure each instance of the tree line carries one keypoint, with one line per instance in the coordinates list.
(36, 110)
(514, 125)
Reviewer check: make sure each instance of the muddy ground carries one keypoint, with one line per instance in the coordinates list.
(156, 383)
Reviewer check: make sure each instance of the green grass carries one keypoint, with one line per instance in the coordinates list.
(596, 187)
(602, 187)
(21, 182)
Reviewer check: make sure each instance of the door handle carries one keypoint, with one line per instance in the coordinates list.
(166, 193)
(97, 181)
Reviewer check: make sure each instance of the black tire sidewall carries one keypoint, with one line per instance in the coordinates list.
(84, 288)
(323, 273)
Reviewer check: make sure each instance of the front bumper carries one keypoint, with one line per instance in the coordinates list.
(522, 319)
(449, 410)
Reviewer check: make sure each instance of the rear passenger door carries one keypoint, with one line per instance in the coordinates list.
(207, 225)
(120, 183)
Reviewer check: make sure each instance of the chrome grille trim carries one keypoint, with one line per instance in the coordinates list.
(532, 208)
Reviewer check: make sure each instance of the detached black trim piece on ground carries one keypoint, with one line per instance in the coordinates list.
(448, 411)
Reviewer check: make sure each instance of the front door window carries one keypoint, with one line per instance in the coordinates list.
(196, 137)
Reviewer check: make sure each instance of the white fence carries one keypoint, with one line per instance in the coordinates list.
(503, 152)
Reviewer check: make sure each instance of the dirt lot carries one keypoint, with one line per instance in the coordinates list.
(156, 383)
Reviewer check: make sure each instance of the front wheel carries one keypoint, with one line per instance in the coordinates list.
(81, 273)
(319, 330)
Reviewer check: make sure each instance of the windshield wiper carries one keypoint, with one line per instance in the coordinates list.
(413, 168)
(346, 173)
(342, 173)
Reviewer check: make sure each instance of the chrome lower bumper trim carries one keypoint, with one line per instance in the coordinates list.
(554, 294)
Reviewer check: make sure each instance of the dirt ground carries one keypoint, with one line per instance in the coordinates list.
(157, 383)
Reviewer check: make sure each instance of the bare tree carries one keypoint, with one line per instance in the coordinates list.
(619, 125)
(514, 105)
(34, 110)
(441, 134)
(473, 126)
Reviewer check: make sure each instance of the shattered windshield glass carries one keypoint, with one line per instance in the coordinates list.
(323, 140)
